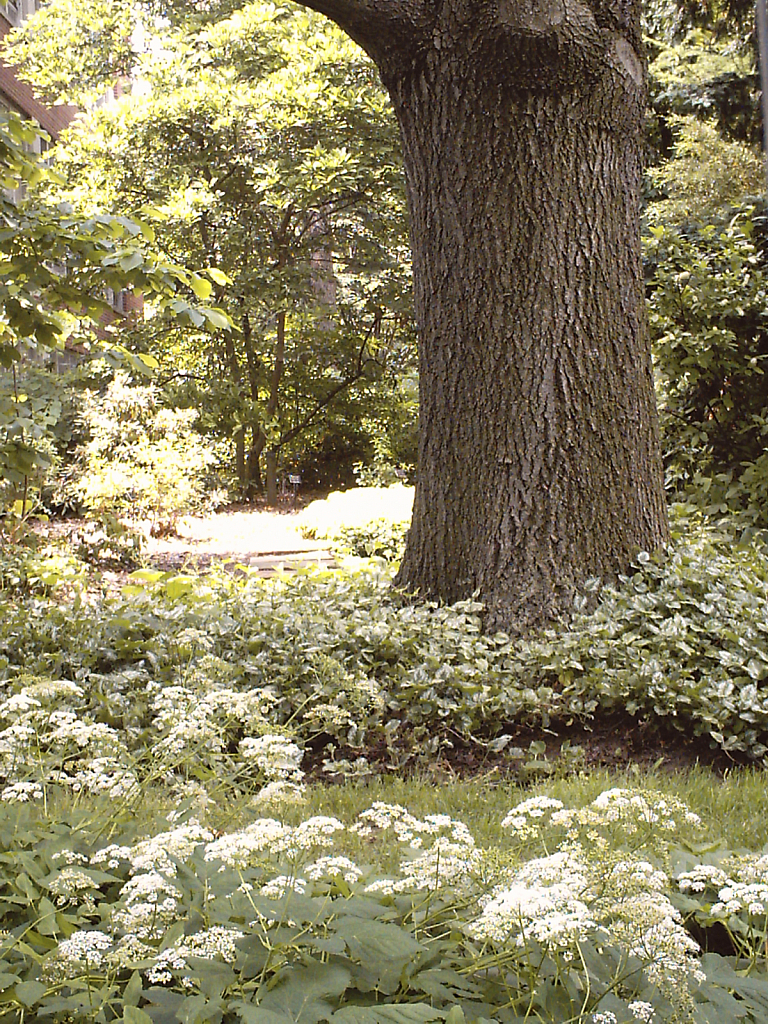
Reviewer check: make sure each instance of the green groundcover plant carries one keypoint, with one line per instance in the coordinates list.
(178, 677)
(573, 914)
(200, 692)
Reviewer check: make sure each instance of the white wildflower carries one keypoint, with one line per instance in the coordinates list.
(630, 808)
(18, 704)
(702, 877)
(22, 792)
(751, 869)
(216, 943)
(280, 793)
(740, 896)
(277, 887)
(444, 863)
(652, 930)
(316, 831)
(640, 872)
(70, 883)
(99, 738)
(107, 776)
(159, 852)
(407, 828)
(69, 857)
(561, 868)
(111, 856)
(238, 849)
(535, 807)
(385, 886)
(641, 1010)
(87, 947)
(171, 959)
(277, 756)
(330, 867)
(129, 951)
(549, 914)
(53, 689)
(148, 904)
(16, 738)
(195, 794)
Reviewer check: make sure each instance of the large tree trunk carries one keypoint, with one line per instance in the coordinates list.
(539, 459)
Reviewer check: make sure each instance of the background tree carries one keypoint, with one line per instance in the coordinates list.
(539, 462)
(55, 270)
(263, 148)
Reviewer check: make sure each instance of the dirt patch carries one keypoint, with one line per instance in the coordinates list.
(615, 741)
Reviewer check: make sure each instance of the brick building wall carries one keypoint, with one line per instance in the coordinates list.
(17, 95)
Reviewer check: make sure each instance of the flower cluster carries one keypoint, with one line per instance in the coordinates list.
(277, 756)
(525, 819)
(526, 911)
(51, 736)
(380, 817)
(739, 885)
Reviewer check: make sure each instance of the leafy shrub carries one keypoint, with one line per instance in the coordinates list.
(379, 539)
(569, 916)
(336, 662)
(706, 173)
(356, 508)
(142, 461)
(708, 314)
(42, 571)
(109, 544)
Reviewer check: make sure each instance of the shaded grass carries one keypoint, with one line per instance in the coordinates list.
(733, 809)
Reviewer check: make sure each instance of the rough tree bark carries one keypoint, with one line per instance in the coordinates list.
(539, 458)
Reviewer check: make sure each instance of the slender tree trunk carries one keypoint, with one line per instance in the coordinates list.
(273, 406)
(270, 459)
(234, 369)
(539, 459)
(258, 441)
(241, 469)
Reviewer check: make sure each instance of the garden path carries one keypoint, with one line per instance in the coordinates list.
(263, 539)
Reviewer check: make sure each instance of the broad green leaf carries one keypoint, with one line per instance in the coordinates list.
(387, 1013)
(131, 261)
(30, 992)
(200, 286)
(133, 1015)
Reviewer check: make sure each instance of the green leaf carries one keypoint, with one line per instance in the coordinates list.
(249, 1013)
(133, 1015)
(132, 261)
(218, 276)
(132, 991)
(216, 318)
(372, 941)
(30, 992)
(301, 991)
(387, 1013)
(200, 286)
(46, 923)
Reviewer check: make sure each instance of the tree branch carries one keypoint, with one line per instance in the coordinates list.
(343, 385)
(379, 26)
